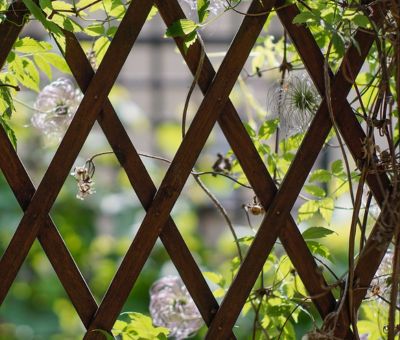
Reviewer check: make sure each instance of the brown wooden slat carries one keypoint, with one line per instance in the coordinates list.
(49, 238)
(11, 27)
(23, 189)
(283, 202)
(69, 148)
(255, 169)
(183, 162)
(143, 185)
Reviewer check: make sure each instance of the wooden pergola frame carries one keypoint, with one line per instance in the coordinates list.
(158, 202)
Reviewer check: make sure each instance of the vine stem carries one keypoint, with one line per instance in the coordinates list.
(213, 198)
(223, 212)
(193, 85)
(394, 288)
(15, 87)
(349, 282)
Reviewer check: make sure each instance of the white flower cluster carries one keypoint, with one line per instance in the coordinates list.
(83, 177)
(171, 306)
(215, 7)
(55, 106)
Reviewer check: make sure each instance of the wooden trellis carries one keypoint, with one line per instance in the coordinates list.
(158, 202)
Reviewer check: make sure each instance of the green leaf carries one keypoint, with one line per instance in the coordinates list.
(43, 65)
(62, 6)
(338, 43)
(153, 12)
(95, 30)
(218, 279)
(84, 3)
(268, 128)
(111, 31)
(189, 40)
(326, 207)
(141, 326)
(246, 240)
(315, 190)
(320, 175)
(10, 132)
(246, 308)
(304, 17)
(266, 320)
(32, 77)
(45, 4)
(26, 72)
(6, 102)
(30, 45)
(202, 9)
(100, 48)
(337, 167)
(361, 21)
(180, 28)
(39, 15)
(57, 61)
(250, 130)
(67, 23)
(307, 210)
(316, 232)
(317, 248)
(119, 327)
(219, 293)
(114, 8)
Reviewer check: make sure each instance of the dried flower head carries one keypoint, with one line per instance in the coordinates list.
(55, 106)
(254, 208)
(84, 179)
(295, 102)
(215, 7)
(171, 306)
(222, 165)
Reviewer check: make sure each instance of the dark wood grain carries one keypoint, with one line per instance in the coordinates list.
(11, 28)
(255, 170)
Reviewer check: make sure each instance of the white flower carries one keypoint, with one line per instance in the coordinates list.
(55, 106)
(215, 7)
(171, 306)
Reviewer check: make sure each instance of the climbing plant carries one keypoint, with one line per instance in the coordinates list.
(329, 81)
